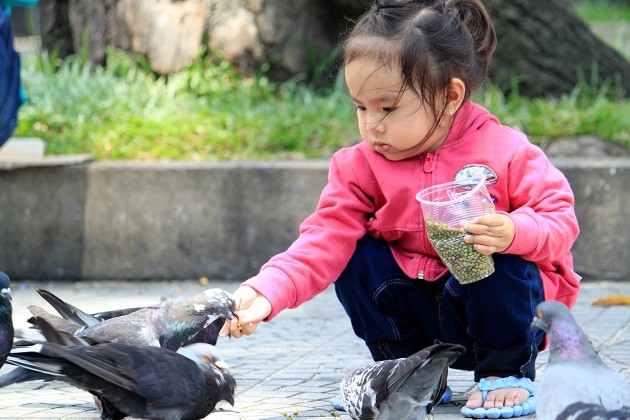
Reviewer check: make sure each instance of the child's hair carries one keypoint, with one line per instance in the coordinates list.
(431, 42)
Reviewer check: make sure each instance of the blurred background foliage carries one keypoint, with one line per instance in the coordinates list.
(208, 112)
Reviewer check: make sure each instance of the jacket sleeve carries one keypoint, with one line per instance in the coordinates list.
(325, 244)
(542, 207)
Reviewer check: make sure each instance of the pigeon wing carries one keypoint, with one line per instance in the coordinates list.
(136, 328)
(365, 388)
(102, 316)
(141, 370)
(419, 390)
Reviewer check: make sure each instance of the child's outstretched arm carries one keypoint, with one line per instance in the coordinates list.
(251, 309)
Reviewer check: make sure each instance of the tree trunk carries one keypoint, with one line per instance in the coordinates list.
(543, 46)
(55, 27)
(549, 49)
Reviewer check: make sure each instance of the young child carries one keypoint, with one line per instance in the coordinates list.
(410, 67)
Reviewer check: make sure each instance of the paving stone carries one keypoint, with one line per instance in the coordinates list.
(292, 366)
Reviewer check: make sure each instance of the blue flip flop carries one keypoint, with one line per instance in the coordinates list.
(526, 408)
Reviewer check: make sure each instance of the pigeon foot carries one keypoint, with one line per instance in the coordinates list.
(526, 408)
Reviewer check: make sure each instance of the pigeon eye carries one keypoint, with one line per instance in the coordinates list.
(539, 314)
(207, 358)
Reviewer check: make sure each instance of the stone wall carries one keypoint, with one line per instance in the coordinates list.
(107, 220)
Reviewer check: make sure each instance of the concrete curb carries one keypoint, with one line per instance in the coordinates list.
(121, 220)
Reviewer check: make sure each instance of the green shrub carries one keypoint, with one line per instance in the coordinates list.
(208, 112)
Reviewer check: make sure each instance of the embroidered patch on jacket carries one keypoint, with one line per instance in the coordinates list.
(474, 169)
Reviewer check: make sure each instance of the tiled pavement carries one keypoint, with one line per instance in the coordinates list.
(291, 366)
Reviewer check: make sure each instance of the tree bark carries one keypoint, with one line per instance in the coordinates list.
(545, 47)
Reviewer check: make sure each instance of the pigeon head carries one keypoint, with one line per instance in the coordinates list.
(210, 361)
(547, 312)
(204, 354)
(567, 341)
(5, 290)
(218, 303)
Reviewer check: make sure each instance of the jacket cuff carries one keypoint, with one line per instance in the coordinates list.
(525, 234)
(276, 287)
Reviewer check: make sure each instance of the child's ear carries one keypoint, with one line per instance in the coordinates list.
(456, 93)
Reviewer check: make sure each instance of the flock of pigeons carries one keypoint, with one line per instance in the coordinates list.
(125, 359)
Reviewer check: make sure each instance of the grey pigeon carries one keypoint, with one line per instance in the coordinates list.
(6, 318)
(576, 383)
(136, 381)
(169, 324)
(405, 388)
(209, 334)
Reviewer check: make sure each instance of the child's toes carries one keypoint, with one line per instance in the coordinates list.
(475, 400)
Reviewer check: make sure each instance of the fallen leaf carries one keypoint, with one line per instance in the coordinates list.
(612, 300)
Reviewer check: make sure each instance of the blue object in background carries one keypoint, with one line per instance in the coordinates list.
(10, 96)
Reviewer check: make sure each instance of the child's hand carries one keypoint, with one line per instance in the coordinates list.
(251, 309)
(490, 233)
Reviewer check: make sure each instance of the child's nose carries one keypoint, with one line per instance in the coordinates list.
(375, 124)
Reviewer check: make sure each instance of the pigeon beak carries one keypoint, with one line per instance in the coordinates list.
(222, 366)
(227, 313)
(539, 323)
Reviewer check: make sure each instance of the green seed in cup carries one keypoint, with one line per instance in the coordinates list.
(461, 258)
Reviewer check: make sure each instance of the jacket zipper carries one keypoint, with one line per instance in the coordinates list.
(428, 167)
(428, 163)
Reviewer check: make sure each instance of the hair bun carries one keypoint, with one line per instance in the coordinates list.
(475, 19)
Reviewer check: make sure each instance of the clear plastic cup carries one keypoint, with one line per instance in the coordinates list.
(443, 207)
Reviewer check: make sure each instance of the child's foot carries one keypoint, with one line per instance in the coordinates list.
(501, 397)
(504, 397)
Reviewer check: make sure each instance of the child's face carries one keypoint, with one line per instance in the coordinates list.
(394, 125)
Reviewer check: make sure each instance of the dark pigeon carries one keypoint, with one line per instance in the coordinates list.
(136, 381)
(209, 334)
(6, 319)
(169, 324)
(406, 388)
(576, 383)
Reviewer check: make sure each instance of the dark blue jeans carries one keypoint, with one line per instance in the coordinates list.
(396, 315)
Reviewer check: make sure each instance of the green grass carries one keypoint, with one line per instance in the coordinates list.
(208, 113)
(603, 11)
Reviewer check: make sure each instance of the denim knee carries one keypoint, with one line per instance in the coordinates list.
(395, 315)
(497, 312)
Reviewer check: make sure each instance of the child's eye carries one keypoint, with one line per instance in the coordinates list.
(388, 110)
(360, 108)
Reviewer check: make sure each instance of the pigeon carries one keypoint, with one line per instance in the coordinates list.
(136, 381)
(168, 324)
(405, 388)
(209, 334)
(576, 383)
(6, 318)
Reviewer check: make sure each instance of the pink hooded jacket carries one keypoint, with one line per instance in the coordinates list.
(368, 194)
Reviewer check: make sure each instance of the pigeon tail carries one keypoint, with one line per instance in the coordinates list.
(57, 322)
(19, 375)
(68, 311)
